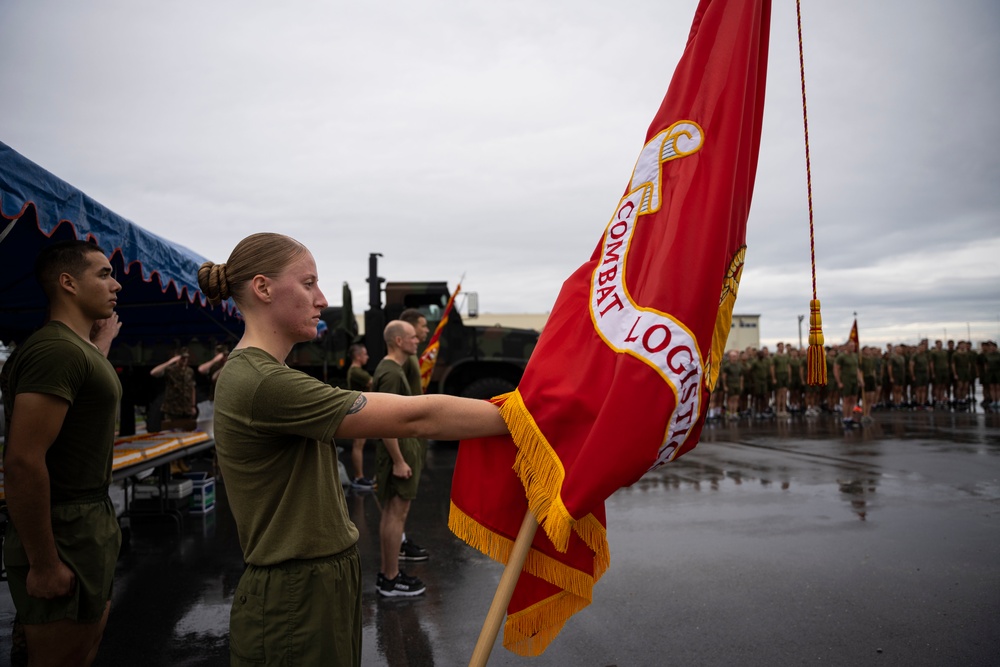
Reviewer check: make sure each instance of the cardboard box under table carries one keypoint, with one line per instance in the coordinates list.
(203, 492)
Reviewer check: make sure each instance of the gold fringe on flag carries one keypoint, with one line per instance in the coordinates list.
(542, 474)
(539, 469)
(530, 630)
(593, 533)
(499, 548)
(816, 369)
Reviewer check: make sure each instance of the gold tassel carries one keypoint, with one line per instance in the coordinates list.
(816, 374)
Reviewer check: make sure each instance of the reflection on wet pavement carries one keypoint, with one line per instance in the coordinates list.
(770, 543)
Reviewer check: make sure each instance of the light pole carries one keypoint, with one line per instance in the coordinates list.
(801, 317)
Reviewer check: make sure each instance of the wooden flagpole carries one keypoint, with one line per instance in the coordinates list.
(498, 609)
(861, 372)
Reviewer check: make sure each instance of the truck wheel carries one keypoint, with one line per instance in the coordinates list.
(485, 388)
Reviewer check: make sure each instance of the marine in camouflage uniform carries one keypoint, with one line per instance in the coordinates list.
(178, 405)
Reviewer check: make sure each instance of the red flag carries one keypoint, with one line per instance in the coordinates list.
(429, 356)
(619, 381)
(853, 336)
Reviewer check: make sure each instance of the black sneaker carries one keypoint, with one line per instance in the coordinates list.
(402, 586)
(363, 484)
(412, 552)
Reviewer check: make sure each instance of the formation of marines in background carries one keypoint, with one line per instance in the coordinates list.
(757, 384)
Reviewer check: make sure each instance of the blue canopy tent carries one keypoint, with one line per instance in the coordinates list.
(160, 303)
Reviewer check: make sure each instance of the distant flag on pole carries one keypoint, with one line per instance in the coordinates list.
(430, 354)
(619, 381)
(853, 336)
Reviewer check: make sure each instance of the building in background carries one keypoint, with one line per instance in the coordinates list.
(744, 333)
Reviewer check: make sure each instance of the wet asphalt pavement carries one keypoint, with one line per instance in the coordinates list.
(772, 543)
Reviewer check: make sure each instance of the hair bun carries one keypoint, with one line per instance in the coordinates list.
(213, 282)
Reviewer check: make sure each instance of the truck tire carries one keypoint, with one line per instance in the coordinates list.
(486, 388)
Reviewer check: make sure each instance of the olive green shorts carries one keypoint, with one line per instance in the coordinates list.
(850, 389)
(87, 540)
(414, 453)
(300, 612)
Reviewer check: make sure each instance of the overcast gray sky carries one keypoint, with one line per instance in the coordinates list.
(494, 139)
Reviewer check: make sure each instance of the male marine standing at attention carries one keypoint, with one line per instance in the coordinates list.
(63, 538)
(398, 462)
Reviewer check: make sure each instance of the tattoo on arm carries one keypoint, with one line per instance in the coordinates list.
(358, 405)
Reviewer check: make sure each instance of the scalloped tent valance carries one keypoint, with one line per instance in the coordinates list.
(160, 300)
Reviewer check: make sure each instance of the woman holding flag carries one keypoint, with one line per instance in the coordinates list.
(299, 599)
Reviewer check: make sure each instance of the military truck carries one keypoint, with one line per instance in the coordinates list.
(473, 361)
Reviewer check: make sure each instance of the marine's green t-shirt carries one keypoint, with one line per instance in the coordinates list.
(781, 363)
(869, 367)
(898, 368)
(274, 429)
(964, 363)
(358, 379)
(732, 371)
(991, 362)
(795, 367)
(848, 364)
(391, 378)
(412, 371)
(55, 361)
(939, 363)
(760, 369)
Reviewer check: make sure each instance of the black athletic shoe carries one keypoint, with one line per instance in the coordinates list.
(402, 586)
(412, 552)
(363, 484)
